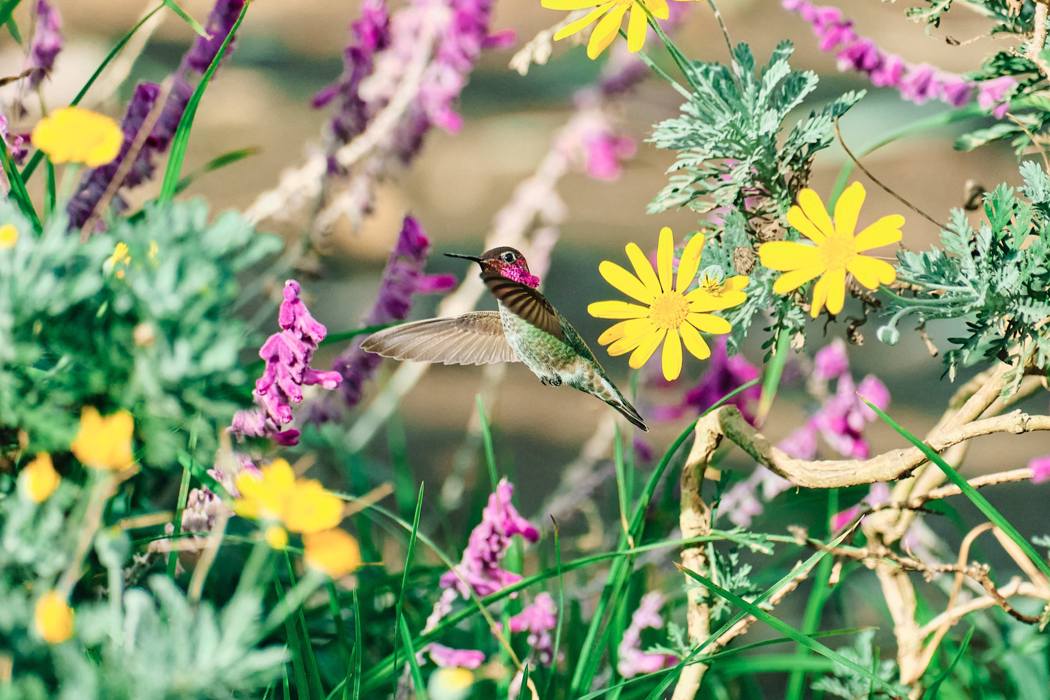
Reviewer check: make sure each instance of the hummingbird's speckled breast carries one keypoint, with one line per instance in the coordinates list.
(541, 352)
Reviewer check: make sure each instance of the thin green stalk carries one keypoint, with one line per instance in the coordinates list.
(773, 375)
(413, 662)
(399, 609)
(18, 187)
(180, 507)
(292, 601)
(486, 441)
(556, 648)
(181, 139)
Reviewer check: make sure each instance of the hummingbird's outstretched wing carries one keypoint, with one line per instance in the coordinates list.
(471, 339)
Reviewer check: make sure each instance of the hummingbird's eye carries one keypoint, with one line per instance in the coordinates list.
(508, 257)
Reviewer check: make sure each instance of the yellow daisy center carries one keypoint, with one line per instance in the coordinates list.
(837, 251)
(669, 310)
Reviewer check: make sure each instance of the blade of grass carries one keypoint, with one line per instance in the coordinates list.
(486, 441)
(18, 187)
(774, 372)
(399, 610)
(302, 683)
(315, 687)
(935, 686)
(186, 17)
(358, 649)
(182, 133)
(621, 483)
(180, 507)
(413, 663)
(335, 610)
(6, 8)
(814, 606)
(34, 161)
(49, 191)
(12, 29)
(550, 687)
(216, 163)
(975, 496)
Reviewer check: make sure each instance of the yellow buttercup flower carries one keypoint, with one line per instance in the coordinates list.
(104, 442)
(118, 260)
(332, 552)
(53, 618)
(38, 479)
(276, 496)
(835, 252)
(667, 314)
(76, 135)
(8, 236)
(609, 17)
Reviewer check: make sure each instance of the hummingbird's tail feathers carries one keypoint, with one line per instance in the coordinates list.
(629, 412)
(471, 339)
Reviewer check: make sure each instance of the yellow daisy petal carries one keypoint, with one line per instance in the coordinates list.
(311, 508)
(583, 22)
(790, 281)
(871, 272)
(847, 209)
(637, 26)
(788, 255)
(836, 284)
(710, 324)
(627, 335)
(605, 31)
(813, 207)
(616, 310)
(671, 358)
(694, 342)
(690, 262)
(646, 349)
(820, 296)
(643, 268)
(625, 282)
(659, 8)
(665, 258)
(885, 231)
(736, 283)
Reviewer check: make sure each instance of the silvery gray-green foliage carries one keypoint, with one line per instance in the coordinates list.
(844, 682)
(155, 335)
(733, 147)
(995, 278)
(168, 648)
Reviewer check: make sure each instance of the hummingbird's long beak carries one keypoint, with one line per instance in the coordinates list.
(465, 257)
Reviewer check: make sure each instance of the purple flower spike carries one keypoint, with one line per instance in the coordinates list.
(287, 355)
(632, 660)
(916, 83)
(46, 42)
(220, 23)
(402, 279)
(479, 568)
(538, 619)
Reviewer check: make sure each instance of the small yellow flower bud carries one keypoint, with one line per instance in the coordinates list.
(8, 236)
(332, 552)
(276, 537)
(38, 479)
(53, 618)
(104, 442)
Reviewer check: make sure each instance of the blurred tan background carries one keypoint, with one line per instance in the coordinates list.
(288, 50)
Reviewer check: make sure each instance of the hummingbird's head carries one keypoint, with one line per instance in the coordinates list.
(504, 261)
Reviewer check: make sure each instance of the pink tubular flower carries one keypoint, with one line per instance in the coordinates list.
(604, 153)
(831, 361)
(457, 658)
(480, 566)
(538, 619)
(632, 660)
(1040, 467)
(287, 355)
(916, 83)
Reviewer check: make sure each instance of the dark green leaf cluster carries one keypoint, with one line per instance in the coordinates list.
(844, 682)
(150, 332)
(733, 149)
(995, 278)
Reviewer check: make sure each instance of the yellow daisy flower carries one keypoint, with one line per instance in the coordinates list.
(8, 236)
(333, 552)
(53, 618)
(38, 479)
(104, 442)
(608, 14)
(76, 135)
(667, 313)
(276, 495)
(835, 252)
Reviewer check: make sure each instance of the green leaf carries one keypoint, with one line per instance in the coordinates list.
(18, 187)
(931, 692)
(217, 163)
(413, 663)
(6, 8)
(185, 16)
(182, 132)
(975, 496)
(408, 566)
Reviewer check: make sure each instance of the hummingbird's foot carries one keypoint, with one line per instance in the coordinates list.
(543, 381)
(555, 381)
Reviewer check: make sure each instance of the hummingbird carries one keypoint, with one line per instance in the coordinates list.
(526, 328)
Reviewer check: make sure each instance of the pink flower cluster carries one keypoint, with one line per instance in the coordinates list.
(538, 619)
(287, 355)
(632, 661)
(916, 83)
(1040, 467)
(839, 421)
